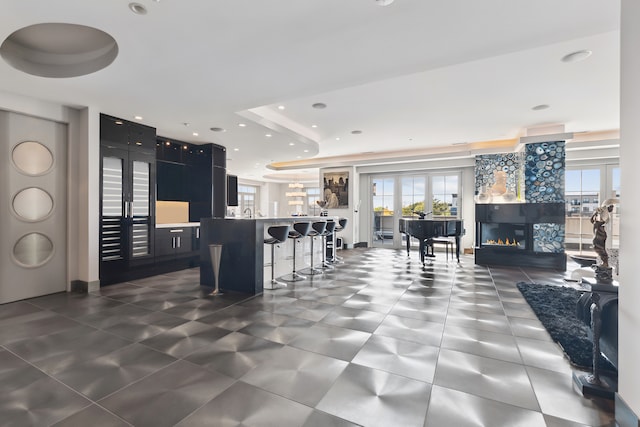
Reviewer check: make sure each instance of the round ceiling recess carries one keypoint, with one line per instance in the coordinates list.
(59, 50)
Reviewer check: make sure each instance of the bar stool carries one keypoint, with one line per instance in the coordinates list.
(329, 230)
(342, 223)
(279, 234)
(300, 230)
(317, 229)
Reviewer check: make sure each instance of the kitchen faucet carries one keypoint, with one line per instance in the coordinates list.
(245, 211)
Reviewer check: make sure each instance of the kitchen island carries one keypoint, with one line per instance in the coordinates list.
(242, 263)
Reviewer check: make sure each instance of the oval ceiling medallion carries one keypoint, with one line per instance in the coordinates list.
(59, 50)
(32, 204)
(33, 250)
(32, 158)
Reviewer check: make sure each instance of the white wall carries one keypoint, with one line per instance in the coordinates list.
(629, 314)
(350, 233)
(84, 206)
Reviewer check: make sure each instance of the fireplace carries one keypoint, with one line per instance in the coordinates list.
(504, 235)
(521, 234)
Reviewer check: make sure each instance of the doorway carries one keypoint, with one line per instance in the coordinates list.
(407, 196)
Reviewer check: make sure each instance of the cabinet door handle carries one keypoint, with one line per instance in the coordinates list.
(198, 233)
(176, 230)
(173, 242)
(179, 242)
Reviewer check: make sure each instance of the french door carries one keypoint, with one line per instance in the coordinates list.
(384, 232)
(406, 196)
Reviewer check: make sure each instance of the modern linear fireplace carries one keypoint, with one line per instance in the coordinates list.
(521, 234)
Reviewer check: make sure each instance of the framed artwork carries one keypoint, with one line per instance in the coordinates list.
(336, 190)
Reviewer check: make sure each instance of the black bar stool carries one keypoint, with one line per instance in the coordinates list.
(329, 230)
(279, 234)
(317, 229)
(300, 230)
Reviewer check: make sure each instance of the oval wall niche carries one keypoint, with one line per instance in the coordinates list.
(32, 158)
(32, 204)
(59, 50)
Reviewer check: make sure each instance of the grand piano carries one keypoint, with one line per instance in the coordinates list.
(426, 229)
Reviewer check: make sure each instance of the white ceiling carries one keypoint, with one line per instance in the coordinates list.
(412, 75)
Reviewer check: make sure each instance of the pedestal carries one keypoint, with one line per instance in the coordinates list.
(215, 251)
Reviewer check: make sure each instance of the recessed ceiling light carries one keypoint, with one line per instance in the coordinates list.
(217, 129)
(185, 147)
(540, 107)
(314, 126)
(319, 105)
(138, 117)
(292, 143)
(280, 107)
(298, 157)
(306, 151)
(242, 125)
(384, 2)
(576, 56)
(167, 143)
(268, 135)
(138, 9)
(236, 149)
(356, 132)
(338, 139)
(195, 134)
(118, 122)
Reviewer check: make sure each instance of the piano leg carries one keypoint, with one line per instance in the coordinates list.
(421, 250)
(457, 247)
(408, 243)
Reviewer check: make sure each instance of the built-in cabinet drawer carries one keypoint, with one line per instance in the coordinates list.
(174, 241)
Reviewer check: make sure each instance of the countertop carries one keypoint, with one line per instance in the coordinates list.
(179, 224)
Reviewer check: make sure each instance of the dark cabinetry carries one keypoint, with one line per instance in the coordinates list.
(174, 242)
(127, 196)
(192, 173)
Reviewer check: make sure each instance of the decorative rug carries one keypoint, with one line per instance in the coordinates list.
(555, 306)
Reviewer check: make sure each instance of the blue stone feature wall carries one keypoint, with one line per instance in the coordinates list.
(544, 172)
(510, 163)
(548, 238)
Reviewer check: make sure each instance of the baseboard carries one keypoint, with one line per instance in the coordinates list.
(625, 417)
(84, 287)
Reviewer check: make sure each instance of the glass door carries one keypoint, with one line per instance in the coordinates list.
(414, 194)
(582, 197)
(384, 223)
(409, 196)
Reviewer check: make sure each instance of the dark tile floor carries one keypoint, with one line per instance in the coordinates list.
(379, 341)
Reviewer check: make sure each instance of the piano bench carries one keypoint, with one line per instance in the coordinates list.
(448, 243)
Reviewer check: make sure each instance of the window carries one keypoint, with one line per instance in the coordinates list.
(313, 195)
(444, 189)
(247, 198)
